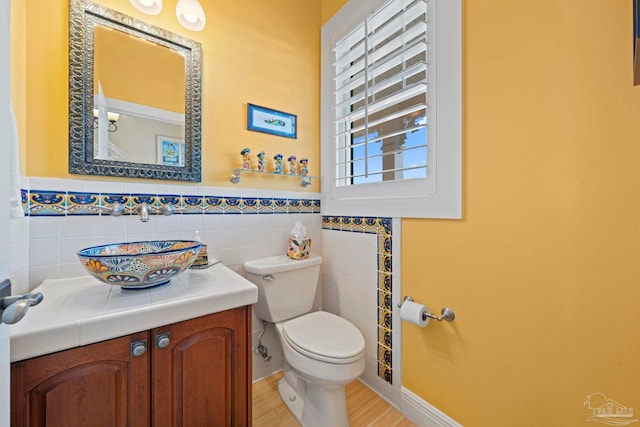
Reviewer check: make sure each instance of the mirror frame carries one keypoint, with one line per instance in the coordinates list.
(83, 16)
(636, 37)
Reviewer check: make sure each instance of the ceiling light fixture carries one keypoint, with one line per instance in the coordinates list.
(191, 15)
(150, 7)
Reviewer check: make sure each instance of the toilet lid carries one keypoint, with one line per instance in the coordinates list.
(324, 336)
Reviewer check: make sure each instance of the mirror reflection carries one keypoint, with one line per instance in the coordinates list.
(134, 97)
(134, 82)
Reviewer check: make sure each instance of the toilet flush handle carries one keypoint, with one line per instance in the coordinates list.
(268, 278)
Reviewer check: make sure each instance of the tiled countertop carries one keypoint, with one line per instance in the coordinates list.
(81, 310)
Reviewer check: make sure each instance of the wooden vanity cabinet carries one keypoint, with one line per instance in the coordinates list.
(96, 385)
(203, 376)
(193, 373)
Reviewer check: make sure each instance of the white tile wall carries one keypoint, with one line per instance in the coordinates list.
(350, 284)
(350, 281)
(19, 255)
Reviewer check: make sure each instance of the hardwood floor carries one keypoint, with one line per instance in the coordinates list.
(364, 406)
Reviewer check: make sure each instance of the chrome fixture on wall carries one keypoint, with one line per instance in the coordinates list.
(144, 210)
(262, 349)
(14, 307)
(445, 314)
(116, 209)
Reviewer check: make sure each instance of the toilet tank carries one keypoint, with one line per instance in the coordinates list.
(286, 287)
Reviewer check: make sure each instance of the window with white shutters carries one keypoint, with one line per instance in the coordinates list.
(391, 102)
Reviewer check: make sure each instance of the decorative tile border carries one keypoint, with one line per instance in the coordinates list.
(66, 203)
(381, 227)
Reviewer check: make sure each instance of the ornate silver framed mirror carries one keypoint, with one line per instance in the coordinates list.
(134, 97)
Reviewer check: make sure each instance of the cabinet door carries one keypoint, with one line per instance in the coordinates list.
(97, 385)
(201, 377)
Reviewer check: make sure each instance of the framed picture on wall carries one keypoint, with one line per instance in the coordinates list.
(267, 120)
(170, 151)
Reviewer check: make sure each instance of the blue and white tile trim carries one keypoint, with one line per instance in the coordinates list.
(383, 229)
(47, 202)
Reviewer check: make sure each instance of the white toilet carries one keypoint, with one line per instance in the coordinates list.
(323, 352)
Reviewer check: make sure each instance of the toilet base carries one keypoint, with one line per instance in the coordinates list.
(291, 399)
(324, 406)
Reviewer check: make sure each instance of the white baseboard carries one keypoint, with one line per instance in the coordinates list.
(423, 413)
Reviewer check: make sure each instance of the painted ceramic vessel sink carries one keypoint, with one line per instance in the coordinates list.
(139, 265)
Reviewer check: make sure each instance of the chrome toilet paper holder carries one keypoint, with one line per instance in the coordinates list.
(445, 314)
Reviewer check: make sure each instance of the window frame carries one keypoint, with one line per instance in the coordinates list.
(440, 195)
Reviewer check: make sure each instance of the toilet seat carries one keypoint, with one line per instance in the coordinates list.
(324, 336)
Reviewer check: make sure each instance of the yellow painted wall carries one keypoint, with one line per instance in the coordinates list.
(330, 8)
(254, 51)
(543, 272)
(18, 75)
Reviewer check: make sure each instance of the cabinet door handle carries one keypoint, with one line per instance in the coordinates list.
(138, 348)
(163, 340)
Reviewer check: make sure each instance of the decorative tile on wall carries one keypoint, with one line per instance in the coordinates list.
(63, 203)
(381, 227)
(46, 203)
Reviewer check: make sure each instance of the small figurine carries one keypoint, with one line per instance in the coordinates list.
(293, 169)
(261, 161)
(246, 158)
(278, 159)
(303, 167)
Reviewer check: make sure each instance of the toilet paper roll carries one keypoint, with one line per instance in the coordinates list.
(414, 313)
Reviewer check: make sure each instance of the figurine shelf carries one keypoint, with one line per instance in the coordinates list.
(237, 173)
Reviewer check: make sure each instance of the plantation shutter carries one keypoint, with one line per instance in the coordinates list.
(380, 96)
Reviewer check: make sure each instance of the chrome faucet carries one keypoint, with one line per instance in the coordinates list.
(144, 210)
(116, 209)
